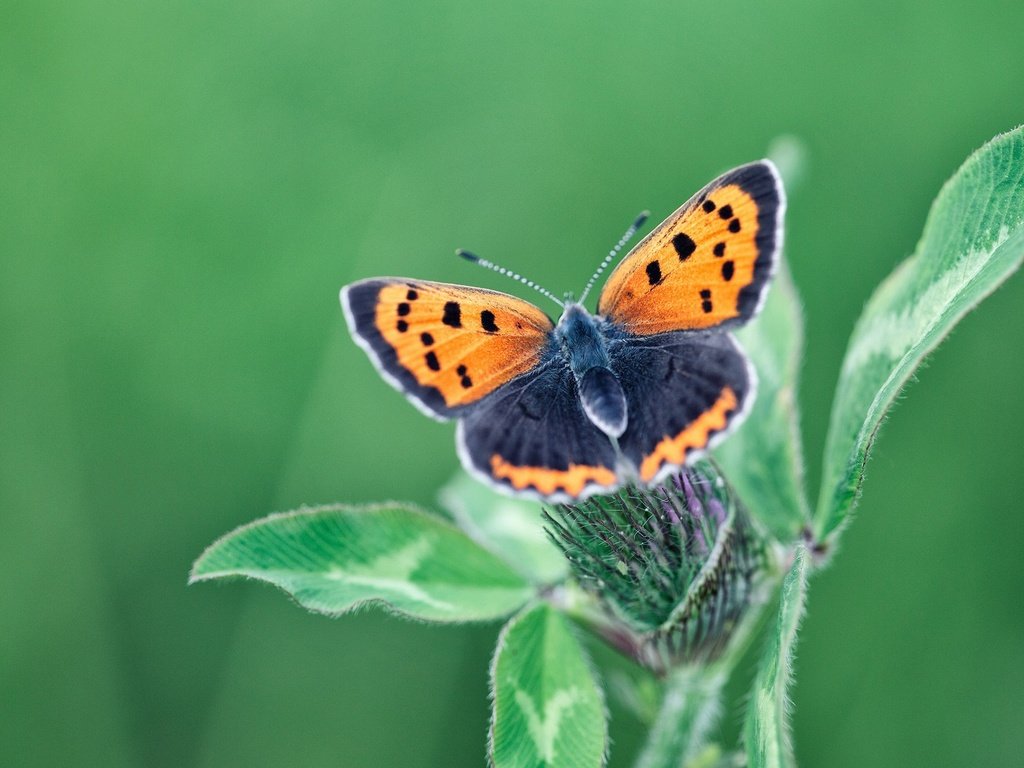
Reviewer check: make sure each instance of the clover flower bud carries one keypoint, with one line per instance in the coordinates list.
(673, 567)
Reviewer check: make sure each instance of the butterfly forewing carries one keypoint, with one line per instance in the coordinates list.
(445, 346)
(708, 264)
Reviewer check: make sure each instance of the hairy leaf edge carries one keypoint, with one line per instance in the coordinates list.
(499, 646)
(196, 576)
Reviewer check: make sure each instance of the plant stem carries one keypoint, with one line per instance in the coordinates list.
(689, 710)
(691, 703)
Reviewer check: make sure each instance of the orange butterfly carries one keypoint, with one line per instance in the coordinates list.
(629, 394)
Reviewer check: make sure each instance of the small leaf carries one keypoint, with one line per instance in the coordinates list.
(548, 709)
(510, 528)
(333, 559)
(973, 240)
(767, 731)
(764, 459)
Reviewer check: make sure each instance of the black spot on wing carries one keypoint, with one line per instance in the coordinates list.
(404, 309)
(527, 413)
(719, 249)
(432, 362)
(487, 321)
(452, 314)
(654, 273)
(684, 245)
(402, 326)
(670, 370)
(705, 304)
(734, 225)
(427, 339)
(709, 206)
(725, 211)
(728, 270)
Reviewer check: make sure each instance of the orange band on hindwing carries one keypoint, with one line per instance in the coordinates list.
(571, 481)
(673, 450)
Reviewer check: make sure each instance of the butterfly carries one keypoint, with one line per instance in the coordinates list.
(559, 411)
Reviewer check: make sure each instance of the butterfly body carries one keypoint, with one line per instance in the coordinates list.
(583, 342)
(560, 411)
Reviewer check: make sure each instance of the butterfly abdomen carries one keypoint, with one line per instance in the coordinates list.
(584, 347)
(603, 400)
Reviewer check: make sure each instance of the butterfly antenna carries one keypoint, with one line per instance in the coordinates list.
(626, 237)
(509, 273)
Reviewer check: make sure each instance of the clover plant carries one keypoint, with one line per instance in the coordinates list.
(681, 578)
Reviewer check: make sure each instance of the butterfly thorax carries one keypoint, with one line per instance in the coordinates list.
(583, 344)
(581, 341)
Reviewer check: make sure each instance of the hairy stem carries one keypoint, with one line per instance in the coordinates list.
(689, 710)
(691, 703)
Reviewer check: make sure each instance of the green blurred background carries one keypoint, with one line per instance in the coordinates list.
(185, 186)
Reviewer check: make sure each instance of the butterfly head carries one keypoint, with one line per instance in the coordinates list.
(577, 328)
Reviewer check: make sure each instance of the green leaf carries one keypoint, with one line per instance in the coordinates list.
(766, 731)
(335, 558)
(973, 240)
(548, 708)
(764, 460)
(510, 528)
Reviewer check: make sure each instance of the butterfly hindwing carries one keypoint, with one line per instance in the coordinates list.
(444, 346)
(533, 438)
(708, 264)
(683, 391)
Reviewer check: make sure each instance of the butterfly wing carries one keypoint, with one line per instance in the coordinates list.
(532, 438)
(707, 264)
(444, 346)
(683, 392)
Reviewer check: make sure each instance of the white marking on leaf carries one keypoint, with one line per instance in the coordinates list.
(892, 334)
(544, 729)
(400, 564)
